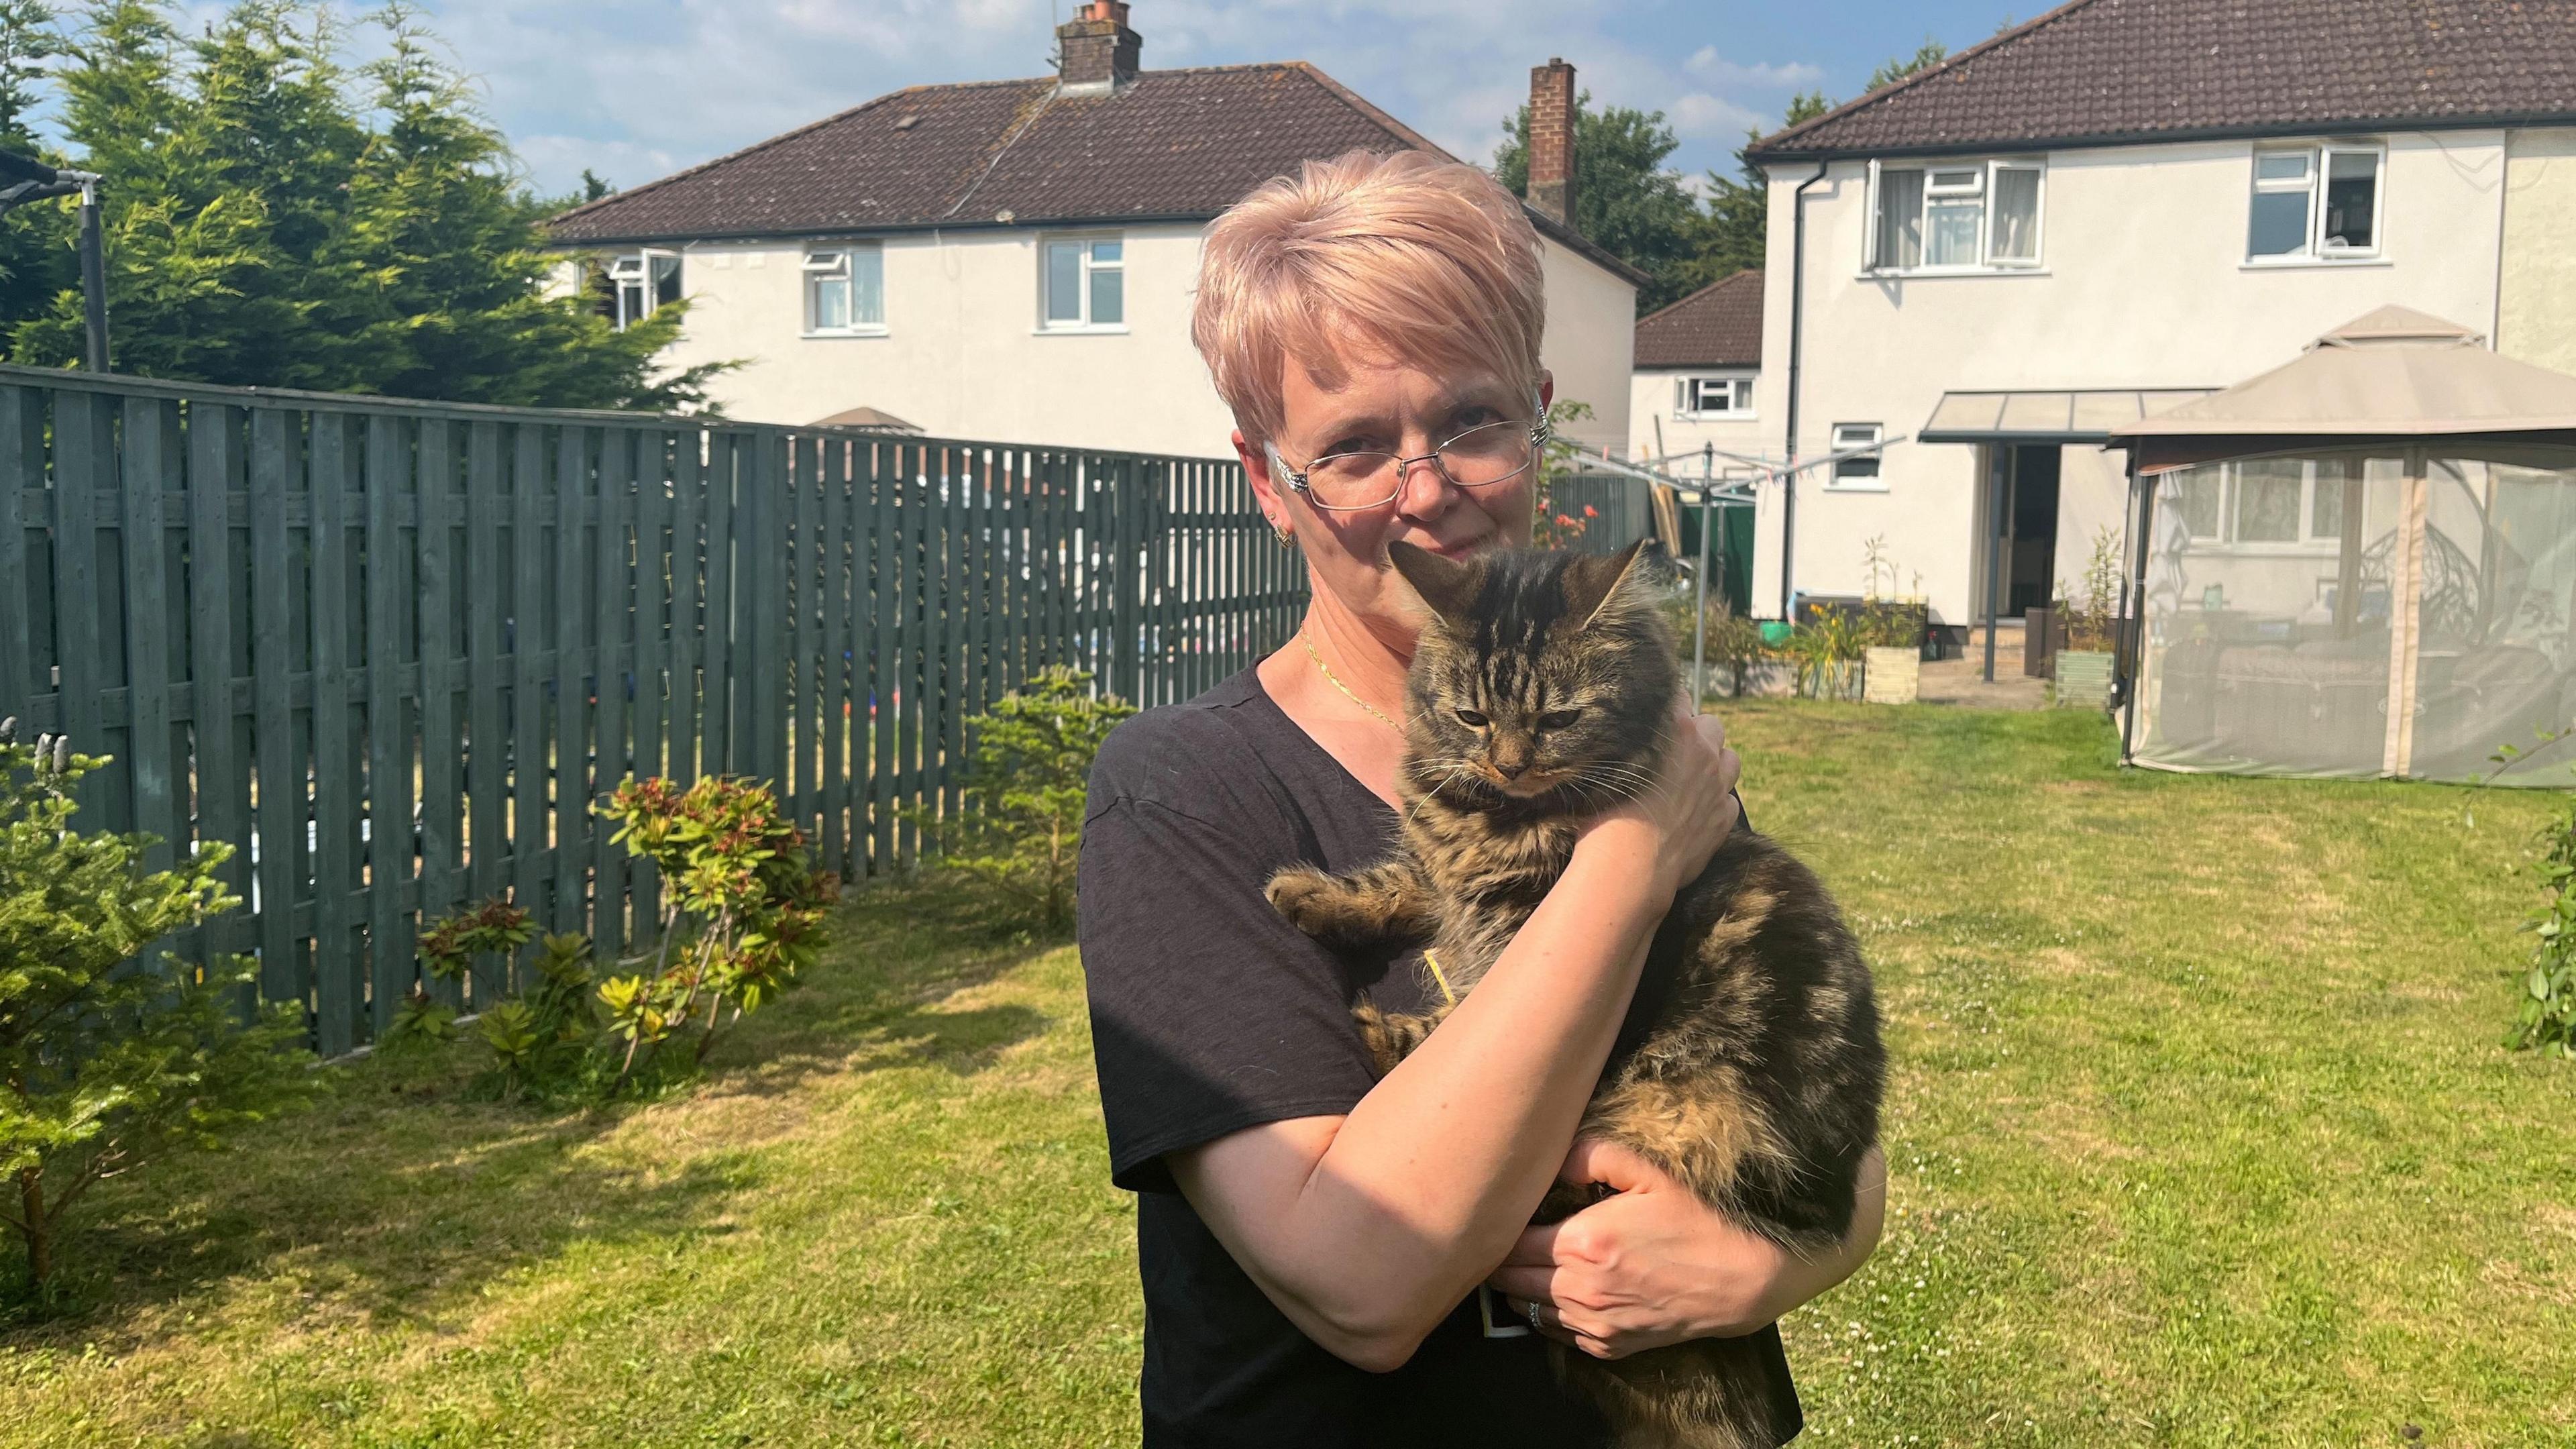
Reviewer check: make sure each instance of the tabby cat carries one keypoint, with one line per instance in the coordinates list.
(1541, 693)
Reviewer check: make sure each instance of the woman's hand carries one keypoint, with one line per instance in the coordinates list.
(1673, 829)
(1653, 1266)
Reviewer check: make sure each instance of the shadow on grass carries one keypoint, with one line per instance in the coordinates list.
(398, 1195)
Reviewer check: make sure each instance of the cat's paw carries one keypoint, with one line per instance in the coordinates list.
(1312, 901)
(1390, 1036)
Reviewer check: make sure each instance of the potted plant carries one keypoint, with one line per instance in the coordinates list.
(2086, 664)
(1892, 631)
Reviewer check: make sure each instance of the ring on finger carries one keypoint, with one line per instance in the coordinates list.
(1537, 1324)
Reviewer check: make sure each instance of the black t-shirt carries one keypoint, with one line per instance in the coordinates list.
(1211, 1014)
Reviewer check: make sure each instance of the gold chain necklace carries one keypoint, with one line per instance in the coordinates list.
(1336, 681)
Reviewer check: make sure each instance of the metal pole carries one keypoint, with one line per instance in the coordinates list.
(1995, 560)
(93, 265)
(1699, 618)
(2134, 627)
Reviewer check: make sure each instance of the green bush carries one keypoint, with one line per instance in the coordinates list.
(2092, 619)
(2545, 1018)
(744, 912)
(113, 1054)
(1026, 781)
(540, 1042)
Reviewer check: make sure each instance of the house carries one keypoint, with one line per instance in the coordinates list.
(2110, 210)
(1696, 386)
(1013, 260)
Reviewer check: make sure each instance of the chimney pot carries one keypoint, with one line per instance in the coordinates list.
(1552, 179)
(1095, 51)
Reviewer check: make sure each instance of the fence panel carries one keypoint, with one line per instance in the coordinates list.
(394, 653)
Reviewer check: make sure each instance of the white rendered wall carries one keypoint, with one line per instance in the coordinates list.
(1653, 420)
(2143, 282)
(1591, 338)
(2536, 316)
(962, 354)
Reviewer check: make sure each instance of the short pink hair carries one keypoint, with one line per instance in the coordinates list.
(1423, 258)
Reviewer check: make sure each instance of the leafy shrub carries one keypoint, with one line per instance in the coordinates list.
(744, 911)
(2545, 1016)
(2093, 620)
(112, 1055)
(1550, 528)
(1026, 780)
(539, 1041)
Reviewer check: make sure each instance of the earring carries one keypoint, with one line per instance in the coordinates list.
(1287, 538)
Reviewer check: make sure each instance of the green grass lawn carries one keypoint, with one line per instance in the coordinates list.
(2199, 1133)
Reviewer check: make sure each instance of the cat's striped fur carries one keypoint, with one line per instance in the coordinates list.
(1758, 1083)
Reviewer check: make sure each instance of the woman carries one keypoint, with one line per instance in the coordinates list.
(1311, 1238)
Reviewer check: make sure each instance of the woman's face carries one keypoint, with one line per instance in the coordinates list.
(1406, 411)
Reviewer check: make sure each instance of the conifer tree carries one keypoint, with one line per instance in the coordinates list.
(275, 218)
(36, 257)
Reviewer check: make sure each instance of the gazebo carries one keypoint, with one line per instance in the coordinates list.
(2360, 564)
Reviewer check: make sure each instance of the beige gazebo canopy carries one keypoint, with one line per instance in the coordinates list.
(873, 419)
(2394, 374)
(2360, 563)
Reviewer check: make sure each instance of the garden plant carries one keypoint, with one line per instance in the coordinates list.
(744, 912)
(112, 1053)
(1026, 780)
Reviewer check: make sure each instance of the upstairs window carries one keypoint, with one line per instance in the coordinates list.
(1713, 397)
(844, 290)
(640, 283)
(2315, 203)
(1955, 217)
(1085, 283)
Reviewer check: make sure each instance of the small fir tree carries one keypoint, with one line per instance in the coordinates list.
(111, 1056)
(1026, 782)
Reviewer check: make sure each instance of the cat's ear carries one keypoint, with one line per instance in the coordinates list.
(1447, 586)
(1592, 582)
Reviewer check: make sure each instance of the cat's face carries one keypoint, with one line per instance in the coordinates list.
(1541, 677)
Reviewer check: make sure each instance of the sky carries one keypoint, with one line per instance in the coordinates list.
(634, 91)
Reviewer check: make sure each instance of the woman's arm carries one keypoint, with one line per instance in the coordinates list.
(1653, 1265)
(1367, 1229)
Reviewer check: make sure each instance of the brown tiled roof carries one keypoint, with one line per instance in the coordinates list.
(1173, 145)
(1720, 325)
(2108, 72)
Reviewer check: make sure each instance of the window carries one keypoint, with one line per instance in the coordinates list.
(1959, 217)
(1862, 471)
(845, 290)
(1713, 397)
(1086, 283)
(2285, 503)
(641, 282)
(2288, 219)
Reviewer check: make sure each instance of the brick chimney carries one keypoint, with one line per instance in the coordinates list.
(1095, 51)
(1551, 139)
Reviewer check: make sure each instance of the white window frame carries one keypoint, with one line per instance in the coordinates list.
(1857, 435)
(635, 269)
(1688, 395)
(2320, 158)
(1082, 281)
(832, 261)
(1988, 171)
(2229, 537)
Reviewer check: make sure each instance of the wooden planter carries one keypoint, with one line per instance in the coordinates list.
(1840, 679)
(1891, 676)
(2084, 678)
(1768, 679)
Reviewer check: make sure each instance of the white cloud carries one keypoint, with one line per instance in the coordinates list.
(1709, 65)
(637, 90)
(1702, 114)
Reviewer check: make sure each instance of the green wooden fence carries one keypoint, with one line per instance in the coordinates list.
(393, 651)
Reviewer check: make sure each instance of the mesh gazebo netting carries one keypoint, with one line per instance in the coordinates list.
(2361, 564)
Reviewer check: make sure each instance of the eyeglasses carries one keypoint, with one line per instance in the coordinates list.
(1483, 456)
